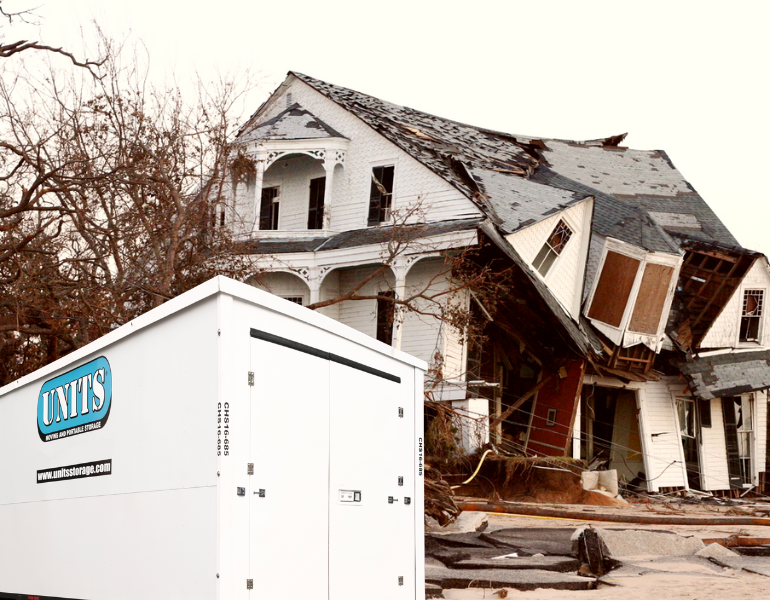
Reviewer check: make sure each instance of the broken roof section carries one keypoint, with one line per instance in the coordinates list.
(727, 374)
(294, 123)
(646, 179)
(641, 197)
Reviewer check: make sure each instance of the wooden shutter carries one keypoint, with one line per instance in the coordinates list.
(614, 288)
(651, 299)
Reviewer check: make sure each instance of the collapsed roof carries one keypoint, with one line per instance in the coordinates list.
(641, 198)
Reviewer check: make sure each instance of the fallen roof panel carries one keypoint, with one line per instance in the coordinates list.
(728, 374)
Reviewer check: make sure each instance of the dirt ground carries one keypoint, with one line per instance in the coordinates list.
(660, 580)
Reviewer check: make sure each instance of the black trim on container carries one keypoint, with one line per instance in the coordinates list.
(7, 596)
(287, 343)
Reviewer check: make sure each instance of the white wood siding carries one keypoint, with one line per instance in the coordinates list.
(664, 457)
(714, 450)
(424, 335)
(414, 183)
(361, 314)
(760, 433)
(565, 279)
(292, 176)
(724, 332)
(283, 285)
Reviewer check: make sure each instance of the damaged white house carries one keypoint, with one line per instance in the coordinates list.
(636, 336)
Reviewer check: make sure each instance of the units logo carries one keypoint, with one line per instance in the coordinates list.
(76, 402)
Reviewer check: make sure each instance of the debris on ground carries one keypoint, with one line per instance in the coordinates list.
(439, 498)
(567, 557)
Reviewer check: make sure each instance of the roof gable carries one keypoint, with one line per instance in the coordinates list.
(294, 123)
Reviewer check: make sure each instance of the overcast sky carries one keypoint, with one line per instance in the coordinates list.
(687, 77)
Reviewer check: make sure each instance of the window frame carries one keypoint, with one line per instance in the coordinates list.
(572, 232)
(389, 210)
(644, 257)
(319, 219)
(760, 318)
(276, 200)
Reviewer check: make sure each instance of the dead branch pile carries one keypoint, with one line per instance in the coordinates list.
(439, 498)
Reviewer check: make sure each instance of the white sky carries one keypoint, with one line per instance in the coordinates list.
(687, 77)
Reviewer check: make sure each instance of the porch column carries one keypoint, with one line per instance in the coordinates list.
(329, 168)
(314, 284)
(399, 271)
(261, 160)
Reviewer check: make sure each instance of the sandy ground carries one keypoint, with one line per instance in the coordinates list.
(660, 581)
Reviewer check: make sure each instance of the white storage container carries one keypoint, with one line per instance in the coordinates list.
(228, 444)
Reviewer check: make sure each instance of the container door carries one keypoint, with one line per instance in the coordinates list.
(371, 543)
(288, 491)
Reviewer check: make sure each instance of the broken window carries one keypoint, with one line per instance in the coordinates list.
(385, 313)
(381, 195)
(751, 316)
(552, 248)
(268, 209)
(614, 288)
(315, 212)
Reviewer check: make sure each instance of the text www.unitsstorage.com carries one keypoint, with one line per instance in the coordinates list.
(89, 469)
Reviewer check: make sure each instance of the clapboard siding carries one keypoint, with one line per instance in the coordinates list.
(714, 450)
(664, 461)
(760, 433)
(283, 285)
(424, 335)
(362, 314)
(415, 185)
(565, 278)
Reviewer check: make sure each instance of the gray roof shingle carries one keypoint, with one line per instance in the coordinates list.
(294, 123)
(728, 374)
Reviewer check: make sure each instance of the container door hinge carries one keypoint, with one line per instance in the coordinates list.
(400, 580)
(407, 500)
(400, 412)
(391, 499)
(249, 584)
(251, 377)
(400, 480)
(260, 493)
(249, 468)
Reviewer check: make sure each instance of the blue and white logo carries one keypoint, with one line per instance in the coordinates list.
(76, 402)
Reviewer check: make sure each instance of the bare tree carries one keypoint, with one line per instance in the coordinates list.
(8, 49)
(106, 188)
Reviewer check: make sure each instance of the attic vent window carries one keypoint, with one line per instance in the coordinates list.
(552, 248)
(380, 195)
(751, 316)
(294, 299)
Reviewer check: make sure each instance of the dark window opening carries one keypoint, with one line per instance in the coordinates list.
(385, 313)
(315, 211)
(552, 248)
(751, 316)
(295, 299)
(381, 195)
(704, 410)
(268, 209)
(218, 216)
